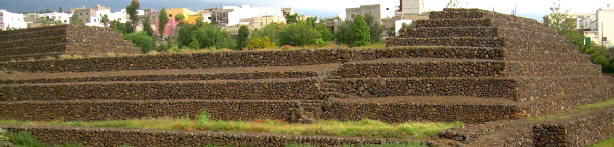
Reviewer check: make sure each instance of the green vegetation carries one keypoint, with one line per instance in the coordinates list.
(162, 21)
(578, 111)
(105, 20)
(605, 143)
(242, 39)
(566, 26)
(260, 43)
(208, 36)
(364, 128)
(360, 32)
(148, 29)
(179, 18)
(3, 135)
(298, 34)
(375, 28)
(134, 15)
(142, 40)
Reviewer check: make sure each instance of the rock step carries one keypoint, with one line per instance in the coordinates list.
(538, 55)
(106, 137)
(251, 59)
(536, 88)
(426, 108)
(89, 110)
(229, 73)
(448, 41)
(28, 50)
(441, 67)
(392, 109)
(457, 22)
(456, 14)
(22, 57)
(449, 32)
(487, 87)
(501, 20)
(271, 89)
(4, 46)
(583, 129)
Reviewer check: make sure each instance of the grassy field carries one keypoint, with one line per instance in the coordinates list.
(364, 128)
(578, 111)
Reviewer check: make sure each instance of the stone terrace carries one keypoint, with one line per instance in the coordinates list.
(467, 65)
(39, 43)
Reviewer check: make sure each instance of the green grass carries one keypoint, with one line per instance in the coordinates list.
(578, 111)
(363, 128)
(605, 143)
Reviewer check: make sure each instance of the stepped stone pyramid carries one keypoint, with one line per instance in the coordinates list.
(467, 65)
(52, 41)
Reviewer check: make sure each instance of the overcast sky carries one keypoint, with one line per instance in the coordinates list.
(526, 7)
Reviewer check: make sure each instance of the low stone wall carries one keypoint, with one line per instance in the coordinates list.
(423, 68)
(576, 131)
(73, 39)
(383, 87)
(557, 104)
(449, 32)
(42, 49)
(462, 41)
(537, 55)
(468, 22)
(89, 110)
(408, 111)
(177, 77)
(463, 68)
(248, 59)
(534, 88)
(105, 137)
(273, 89)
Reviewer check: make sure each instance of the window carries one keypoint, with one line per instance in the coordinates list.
(94, 20)
(170, 15)
(387, 8)
(353, 16)
(64, 21)
(87, 13)
(80, 14)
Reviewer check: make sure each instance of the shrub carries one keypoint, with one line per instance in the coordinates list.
(204, 118)
(258, 43)
(3, 136)
(142, 40)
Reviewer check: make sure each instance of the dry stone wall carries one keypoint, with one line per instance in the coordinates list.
(65, 39)
(145, 138)
(576, 131)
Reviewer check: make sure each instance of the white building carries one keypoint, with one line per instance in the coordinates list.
(584, 20)
(235, 14)
(605, 26)
(64, 18)
(13, 20)
(411, 7)
(378, 11)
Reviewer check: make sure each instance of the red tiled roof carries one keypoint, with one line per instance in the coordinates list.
(1, 22)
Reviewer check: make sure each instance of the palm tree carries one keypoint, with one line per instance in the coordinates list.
(105, 20)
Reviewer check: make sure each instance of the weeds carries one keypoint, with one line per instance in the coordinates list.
(580, 110)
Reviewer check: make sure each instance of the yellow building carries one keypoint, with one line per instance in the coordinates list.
(191, 19)
(172, 12)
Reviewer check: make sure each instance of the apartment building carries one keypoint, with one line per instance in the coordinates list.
(12, 20)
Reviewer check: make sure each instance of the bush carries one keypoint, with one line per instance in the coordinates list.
(3, 135)
(258, 43)
(142, 40)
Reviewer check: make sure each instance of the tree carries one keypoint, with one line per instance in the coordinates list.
(194, 44)
(162, 21)
(207, 36)
(60, 10)
(148, 29)
(312, 21)
(298, 34)
(142, 40)
(105, 20)
(325, 34)
(242, 37)
(48, 11)
(118, 26)
(133, 13)
(200, 21)
(344, 34)
(360, 32)
(291, 18)
(375, 28)
(179, 18)
(559, 20)
(270, 31)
